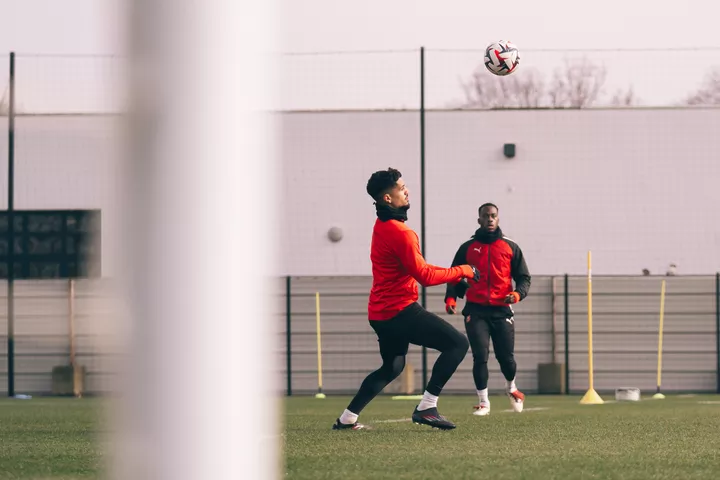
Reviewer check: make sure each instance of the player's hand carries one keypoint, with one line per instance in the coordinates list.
(450, 306)
(513, 297)
(473, 273)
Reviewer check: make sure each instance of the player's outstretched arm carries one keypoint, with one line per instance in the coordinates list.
(408, 250)
(457, 289)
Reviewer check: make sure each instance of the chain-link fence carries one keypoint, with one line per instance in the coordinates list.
(392, 79)
(59, 158)
(458, 79)
(65, 114)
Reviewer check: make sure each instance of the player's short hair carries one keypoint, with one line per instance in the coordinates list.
(381, 182)
(487, 205)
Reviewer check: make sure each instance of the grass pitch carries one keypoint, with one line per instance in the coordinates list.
(554, 438)
(50, 438)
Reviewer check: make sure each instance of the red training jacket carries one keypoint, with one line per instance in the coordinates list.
(397, 266)
(500, 261)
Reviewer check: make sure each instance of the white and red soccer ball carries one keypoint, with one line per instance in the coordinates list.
(502, 58)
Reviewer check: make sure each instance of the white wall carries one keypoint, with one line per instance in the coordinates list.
(327, 160)
(66, 162)
(637, 187)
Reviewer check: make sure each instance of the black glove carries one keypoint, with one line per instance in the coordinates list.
(461, 288)
(476, 272)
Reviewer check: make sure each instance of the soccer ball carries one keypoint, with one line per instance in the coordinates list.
(502, 58)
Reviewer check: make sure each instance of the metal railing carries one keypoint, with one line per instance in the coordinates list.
(551, 328)
(58, 323)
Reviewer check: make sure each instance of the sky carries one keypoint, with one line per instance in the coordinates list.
(379, 80)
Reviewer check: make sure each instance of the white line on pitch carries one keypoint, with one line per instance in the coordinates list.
(401, 420)
(530, 409)
(398, 420)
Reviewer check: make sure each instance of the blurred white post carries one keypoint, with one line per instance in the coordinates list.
(199, 400)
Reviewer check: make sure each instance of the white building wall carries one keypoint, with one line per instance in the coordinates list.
(637, 187)
(66, 162)
(327, 160)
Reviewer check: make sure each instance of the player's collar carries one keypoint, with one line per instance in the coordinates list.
(483, 236)
(386, 212)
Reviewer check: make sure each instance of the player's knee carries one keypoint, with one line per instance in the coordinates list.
(398, 366)
(395, 368)
(460, 347)
(463, 344)
(507, 360)
(480, 358)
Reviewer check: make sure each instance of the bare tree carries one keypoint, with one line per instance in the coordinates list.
(624, 98)
(578, 83)
(489, 91)
(709, 91)
(529, 89)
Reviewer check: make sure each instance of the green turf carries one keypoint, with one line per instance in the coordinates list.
(50, 438)
(678, 437)
(653, 439)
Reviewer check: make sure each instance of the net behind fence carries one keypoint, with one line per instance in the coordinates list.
(391, 79)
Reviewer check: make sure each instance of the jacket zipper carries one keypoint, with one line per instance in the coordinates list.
(488, 275)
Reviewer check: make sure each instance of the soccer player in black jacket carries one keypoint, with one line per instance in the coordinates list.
(488, 307)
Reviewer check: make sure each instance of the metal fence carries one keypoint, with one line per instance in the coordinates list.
(394, 79)
(551, 327)
(56, 321)
(454, 78)
(551, 322)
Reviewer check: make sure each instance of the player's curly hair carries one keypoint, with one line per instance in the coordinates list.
(381, 182)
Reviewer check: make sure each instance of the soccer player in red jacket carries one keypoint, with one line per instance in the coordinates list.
(488, 307)
(393, 311)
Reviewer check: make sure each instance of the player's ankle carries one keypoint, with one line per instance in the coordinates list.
(428, 401)
(483, 396)
(348, 417)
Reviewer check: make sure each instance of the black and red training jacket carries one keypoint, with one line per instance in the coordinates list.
(500, 261)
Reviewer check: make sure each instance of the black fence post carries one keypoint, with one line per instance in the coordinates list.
(288, 333)
(423, 299)
(11, 232)
(566, 295)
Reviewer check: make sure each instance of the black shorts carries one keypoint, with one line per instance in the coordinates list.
(415, 325)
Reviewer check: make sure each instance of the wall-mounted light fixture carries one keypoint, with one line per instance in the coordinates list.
(509, 150)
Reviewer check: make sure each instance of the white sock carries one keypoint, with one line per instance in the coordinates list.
(348, 417)
(511, 386)
(483, 396)
(428, 401)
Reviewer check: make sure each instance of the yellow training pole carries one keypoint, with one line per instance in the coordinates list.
(320, 393)
(658, 395)
(589, 310)
(591, 397)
